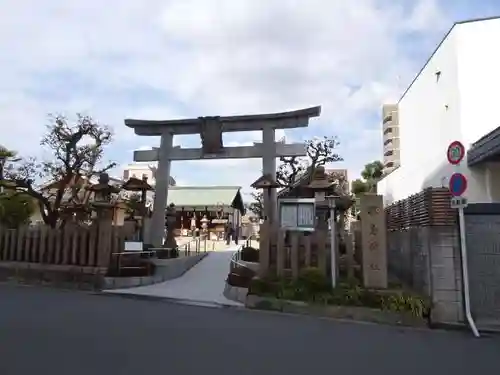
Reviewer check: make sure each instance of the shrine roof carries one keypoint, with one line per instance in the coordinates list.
(281, 120)
(190, 196)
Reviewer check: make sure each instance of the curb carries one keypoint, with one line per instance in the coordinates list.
(208, 304)
(180, 301)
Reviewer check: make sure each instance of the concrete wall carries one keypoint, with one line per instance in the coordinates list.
(458, 104)
(166, 269)
(483, 253)
(428, 260)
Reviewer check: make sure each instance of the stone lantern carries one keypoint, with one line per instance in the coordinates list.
(171, 220)
(102, 203)
(321, 187)
(192, 225)
(104, 209)
(142, 186)
(204, 226)
(266, 182)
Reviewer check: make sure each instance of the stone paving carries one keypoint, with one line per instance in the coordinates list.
(203, 284)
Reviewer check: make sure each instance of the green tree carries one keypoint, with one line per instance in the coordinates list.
(372, 173)
(6, 156)
(16, 209)
(359, 186)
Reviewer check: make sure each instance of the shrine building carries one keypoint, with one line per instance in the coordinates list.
(219, 204)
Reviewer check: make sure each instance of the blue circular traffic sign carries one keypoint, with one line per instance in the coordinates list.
(458, 184)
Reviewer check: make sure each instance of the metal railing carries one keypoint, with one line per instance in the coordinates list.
(236, 261)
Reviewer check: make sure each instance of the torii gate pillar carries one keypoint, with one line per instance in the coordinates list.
(210, 130)
(269, 167)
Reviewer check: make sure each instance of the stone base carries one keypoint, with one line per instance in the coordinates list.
(67, 277)
(235, 293)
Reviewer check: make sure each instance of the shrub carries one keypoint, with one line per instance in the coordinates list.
(313, 281)
(263, 287)
(250, 254)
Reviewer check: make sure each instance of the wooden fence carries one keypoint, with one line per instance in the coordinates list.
(286, 253)
(431, 207)
(71, 246)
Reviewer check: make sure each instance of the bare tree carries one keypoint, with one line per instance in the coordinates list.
(77, 150)
(257, 206)
(320, 151)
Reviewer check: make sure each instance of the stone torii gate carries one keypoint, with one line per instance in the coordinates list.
(210, 130)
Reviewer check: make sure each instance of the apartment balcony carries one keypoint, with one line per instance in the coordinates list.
(388, 148)
(390, 145)
(391, 132)
(390, 119)
(390, 167)
(391, 156)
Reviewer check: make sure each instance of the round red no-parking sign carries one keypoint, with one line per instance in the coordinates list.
(455, 153)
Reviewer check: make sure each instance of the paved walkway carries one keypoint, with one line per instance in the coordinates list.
(202, 284)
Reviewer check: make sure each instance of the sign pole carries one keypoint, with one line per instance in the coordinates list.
(333, 237)
(465, 271)
(458, 185)
(333, 246)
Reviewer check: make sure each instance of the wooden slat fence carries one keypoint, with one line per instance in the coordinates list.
(431, 207)
(290, 252)
(72, 246)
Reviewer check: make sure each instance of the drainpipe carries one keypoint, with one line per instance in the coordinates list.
(465, 273)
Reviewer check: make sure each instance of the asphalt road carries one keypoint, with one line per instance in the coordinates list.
(45, 331)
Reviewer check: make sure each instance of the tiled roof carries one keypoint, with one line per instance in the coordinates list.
(202, 195)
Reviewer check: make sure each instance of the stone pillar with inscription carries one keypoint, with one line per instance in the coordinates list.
(374, 242)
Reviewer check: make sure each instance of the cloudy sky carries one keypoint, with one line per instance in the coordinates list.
(166, 59)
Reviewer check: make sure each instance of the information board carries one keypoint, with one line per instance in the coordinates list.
(297, 214)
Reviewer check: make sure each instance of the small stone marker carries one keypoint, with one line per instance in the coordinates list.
(374, 241)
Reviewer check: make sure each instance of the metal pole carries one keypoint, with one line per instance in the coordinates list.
(332, 244)
(2, 164)
(465, 273)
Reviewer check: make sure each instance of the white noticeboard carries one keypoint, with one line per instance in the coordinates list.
(458, 202)
(297, 214)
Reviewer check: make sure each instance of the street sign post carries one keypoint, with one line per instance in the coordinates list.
(455, 153)
(458, 186)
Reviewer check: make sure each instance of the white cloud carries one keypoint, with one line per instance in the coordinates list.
(176, 58)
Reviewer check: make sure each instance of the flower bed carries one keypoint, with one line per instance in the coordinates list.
(312, 293)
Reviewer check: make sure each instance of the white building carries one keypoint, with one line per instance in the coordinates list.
(454, 97)
(138, 170)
